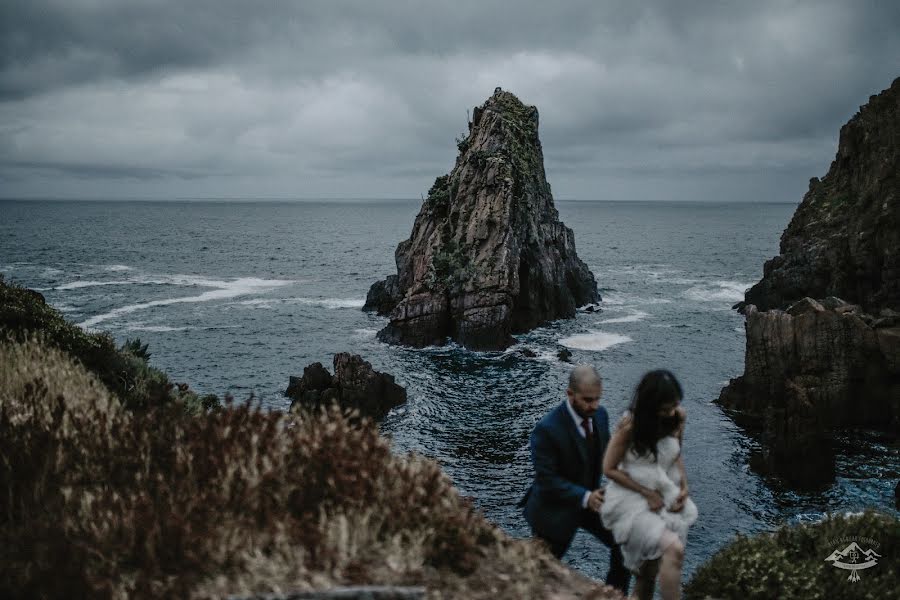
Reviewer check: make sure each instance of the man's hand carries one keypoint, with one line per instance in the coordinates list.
(679, 501)
(595, 500)
(655, 500)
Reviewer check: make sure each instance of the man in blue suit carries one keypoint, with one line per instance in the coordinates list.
(567, 448)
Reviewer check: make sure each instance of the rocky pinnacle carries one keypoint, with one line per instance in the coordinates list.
(488, 256)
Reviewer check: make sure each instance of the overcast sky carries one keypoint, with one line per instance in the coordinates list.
(658, 100)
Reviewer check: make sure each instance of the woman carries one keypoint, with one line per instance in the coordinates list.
(646, 504)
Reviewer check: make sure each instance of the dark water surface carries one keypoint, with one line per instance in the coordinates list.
(239, 296)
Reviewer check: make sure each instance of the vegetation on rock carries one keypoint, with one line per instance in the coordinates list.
(790, 563)
(101, 502)
(125, 370)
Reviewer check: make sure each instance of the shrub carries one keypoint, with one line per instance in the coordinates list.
(790, 563)
(124, 371)
(97, 501)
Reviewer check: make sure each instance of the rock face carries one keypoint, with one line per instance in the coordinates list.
(816, 365)
(488, 255)
(844, 237)
(355, 384)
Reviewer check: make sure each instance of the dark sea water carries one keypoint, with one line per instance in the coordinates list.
(236, 297)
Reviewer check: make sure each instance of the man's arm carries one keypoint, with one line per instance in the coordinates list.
(545, 457)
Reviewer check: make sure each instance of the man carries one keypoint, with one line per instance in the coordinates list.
(567, 448)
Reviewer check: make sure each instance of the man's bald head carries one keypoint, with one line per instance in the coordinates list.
(583, 376)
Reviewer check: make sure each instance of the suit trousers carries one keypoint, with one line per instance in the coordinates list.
(618, 576)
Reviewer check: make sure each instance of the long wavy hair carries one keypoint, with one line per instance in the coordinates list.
(657, 388)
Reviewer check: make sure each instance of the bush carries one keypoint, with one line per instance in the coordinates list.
(124, 371)
(790, 563)
(97, 501)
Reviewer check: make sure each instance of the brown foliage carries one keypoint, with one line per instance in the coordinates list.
(97, 501)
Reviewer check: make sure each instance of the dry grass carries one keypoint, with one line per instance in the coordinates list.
(101, 502)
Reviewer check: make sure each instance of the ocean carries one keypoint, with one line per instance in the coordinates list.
(238, 296)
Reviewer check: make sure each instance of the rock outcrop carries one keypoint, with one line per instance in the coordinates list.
(815, 365)
(488, 256)
(355, 384)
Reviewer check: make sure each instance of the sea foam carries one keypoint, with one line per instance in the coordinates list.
(224, 290)
(594, 340)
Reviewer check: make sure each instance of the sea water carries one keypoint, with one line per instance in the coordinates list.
(238, 296)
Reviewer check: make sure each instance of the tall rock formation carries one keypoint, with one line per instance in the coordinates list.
(488, 255)
(816, 365)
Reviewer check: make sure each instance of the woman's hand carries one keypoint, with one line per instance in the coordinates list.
(679, 501)
(655, 500)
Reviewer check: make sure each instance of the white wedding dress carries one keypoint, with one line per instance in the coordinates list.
(636, 528)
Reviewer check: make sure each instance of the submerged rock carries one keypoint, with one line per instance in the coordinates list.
(355, 384)
(812, 366)
(488, 255)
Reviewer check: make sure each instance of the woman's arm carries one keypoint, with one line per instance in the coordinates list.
(615, 452)
(683, 494)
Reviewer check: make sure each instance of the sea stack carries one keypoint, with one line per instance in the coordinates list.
(488, 256)
(822, 326)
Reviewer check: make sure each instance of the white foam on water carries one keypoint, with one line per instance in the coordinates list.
(594, 340)
(634, 317)
(76, 285)
(117, 268)
(224, 290)
(623, 299)
(365, 333)
(333, 302)
(717, 291)
(156, 328)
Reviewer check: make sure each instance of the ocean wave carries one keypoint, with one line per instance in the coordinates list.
(224, 290)
(365, 333)
(624, 299)
(323, 302)
(76, 285)
(116, 268)
(594, 340)
(634, 317)
(717, 291)
(156, 328)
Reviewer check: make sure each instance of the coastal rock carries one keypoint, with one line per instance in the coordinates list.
(355, 384)
(813, 366)
(809, 373)
(488, 256)
(843, 239)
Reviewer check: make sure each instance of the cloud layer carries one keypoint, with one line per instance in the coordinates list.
(221, 98)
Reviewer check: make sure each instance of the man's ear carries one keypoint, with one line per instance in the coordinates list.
(570, 394)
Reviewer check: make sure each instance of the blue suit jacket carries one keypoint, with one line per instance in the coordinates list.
(559, 455)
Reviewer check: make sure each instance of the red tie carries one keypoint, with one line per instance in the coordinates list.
(585, 424)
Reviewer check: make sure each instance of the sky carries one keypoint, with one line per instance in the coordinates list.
(650, 100)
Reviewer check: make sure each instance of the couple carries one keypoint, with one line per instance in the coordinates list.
(644, 512)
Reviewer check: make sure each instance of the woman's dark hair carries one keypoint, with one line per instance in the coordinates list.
(656, 389)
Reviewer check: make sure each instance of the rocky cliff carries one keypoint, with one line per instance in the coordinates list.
(815, 365)
(488, 256)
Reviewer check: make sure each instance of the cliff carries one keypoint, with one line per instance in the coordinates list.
(488, 256)
(822, 327)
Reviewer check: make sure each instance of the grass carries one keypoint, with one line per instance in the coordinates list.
(97, 501)
(125, 371)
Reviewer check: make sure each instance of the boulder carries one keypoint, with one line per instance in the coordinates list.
(488, 256)
(355, 385)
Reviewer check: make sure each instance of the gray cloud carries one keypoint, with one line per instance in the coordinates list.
(364, 99)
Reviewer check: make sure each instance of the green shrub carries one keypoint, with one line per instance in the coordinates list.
(124, 371)
(790, 563)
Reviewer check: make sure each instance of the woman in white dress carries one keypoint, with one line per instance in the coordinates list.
(646, 504)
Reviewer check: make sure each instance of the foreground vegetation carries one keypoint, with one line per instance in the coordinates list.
(124, 371)
(790, 562)
(101, 502)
